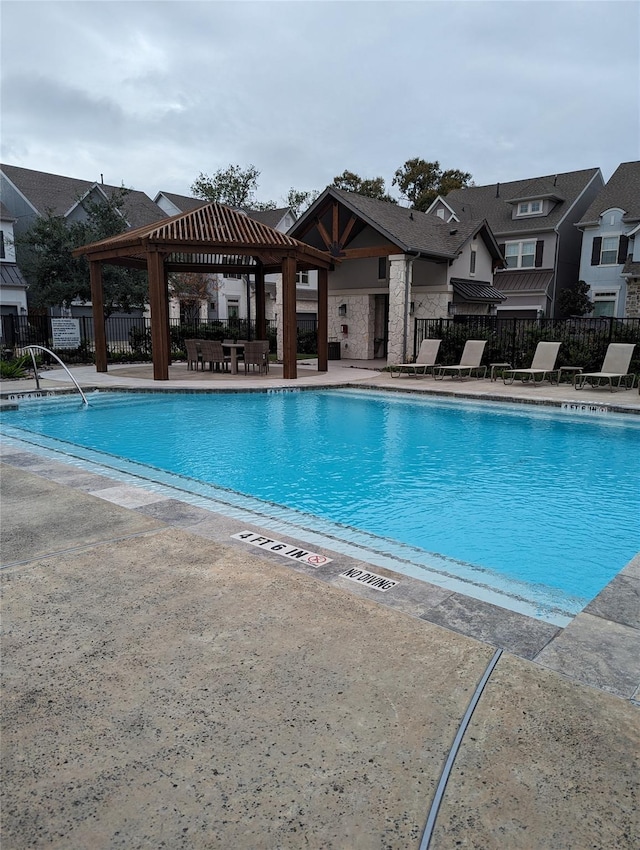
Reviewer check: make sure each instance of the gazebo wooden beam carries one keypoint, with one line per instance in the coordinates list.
(97, 301)
(289, 323)
(261, 320)
(158, 299)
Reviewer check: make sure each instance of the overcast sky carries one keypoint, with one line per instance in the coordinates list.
(151, 94)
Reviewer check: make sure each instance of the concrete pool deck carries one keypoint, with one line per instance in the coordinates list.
(165, 683)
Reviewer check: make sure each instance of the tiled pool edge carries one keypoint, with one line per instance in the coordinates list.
(595, 648)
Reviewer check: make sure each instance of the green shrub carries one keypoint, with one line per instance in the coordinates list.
(15, 368)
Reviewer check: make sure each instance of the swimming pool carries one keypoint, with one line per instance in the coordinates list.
(537, 503)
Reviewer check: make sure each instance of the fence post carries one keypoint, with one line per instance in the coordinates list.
(513, 342)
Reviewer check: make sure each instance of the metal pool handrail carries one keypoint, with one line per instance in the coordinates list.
(35, 368)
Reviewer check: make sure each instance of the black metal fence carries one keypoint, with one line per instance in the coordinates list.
(584, 341)
(129, 337)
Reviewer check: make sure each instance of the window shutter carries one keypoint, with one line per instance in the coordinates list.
(595, 250)
(622, 248)
(539, 249)
(502, 248)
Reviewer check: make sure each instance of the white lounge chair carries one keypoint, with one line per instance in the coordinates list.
(426, 359)
(470, 361)
(615, 366)
(543, 365)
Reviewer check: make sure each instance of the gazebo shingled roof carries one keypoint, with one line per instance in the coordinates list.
(208, 239)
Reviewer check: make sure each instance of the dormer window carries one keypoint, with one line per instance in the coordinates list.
(529, 208)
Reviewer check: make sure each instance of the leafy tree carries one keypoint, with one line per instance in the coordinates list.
(44, 253)
(420, 182)
(56, 278)
(233, 186)
(299, 200)
(191, 289)
(574, 300)
(371, 188)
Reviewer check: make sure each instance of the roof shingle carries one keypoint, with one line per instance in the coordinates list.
(621, 191)
(59, 194)
(495, 202)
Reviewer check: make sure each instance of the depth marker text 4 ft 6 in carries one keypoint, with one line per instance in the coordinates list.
(303, 556)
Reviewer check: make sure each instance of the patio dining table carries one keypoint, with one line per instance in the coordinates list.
(233, 347)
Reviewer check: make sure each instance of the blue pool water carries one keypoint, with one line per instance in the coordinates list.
(541, 498)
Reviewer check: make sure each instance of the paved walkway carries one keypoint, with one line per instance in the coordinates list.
(165, 685)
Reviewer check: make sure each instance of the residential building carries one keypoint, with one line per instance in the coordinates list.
(534, 222)
(610, 260)
(395, 265)
(27, 194)
(13, 286)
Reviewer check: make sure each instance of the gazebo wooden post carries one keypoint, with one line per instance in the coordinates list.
(166, 311)
(97, 301)
(159, 307)
(261, 320)
(323, 320)
(289, 323)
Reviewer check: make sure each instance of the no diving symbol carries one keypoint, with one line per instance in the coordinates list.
(317, 560)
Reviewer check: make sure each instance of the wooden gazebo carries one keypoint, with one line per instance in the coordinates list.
(212, 238)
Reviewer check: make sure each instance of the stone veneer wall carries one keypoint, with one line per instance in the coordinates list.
(358, 343)
(632, 303)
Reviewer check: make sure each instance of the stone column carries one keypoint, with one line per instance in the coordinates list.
(400, 332)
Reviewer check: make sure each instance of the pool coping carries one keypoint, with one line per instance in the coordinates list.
(600, 647)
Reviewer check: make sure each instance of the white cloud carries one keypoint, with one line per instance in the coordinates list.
(153, 93)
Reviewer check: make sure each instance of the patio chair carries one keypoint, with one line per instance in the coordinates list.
(193, 353)
(212, 353)
(426, 359)
(240, 351)
(256, 353)
(470, 361)
(542, 365)
(615, 366)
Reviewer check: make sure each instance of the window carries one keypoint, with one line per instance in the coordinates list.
(231, 276)
(609, 253)
(520, 255)
(609, 250)
(472, 261)
(233, 310)
(302, 278)
(440, 213)
(530, 208)
(604, 303)
(382, 268)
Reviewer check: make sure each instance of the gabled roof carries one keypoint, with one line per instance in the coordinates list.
(60, 194)
(412, 231)
(621, 192)
(495, 202)
(210, 236)
(184, 203)
(270, 217)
